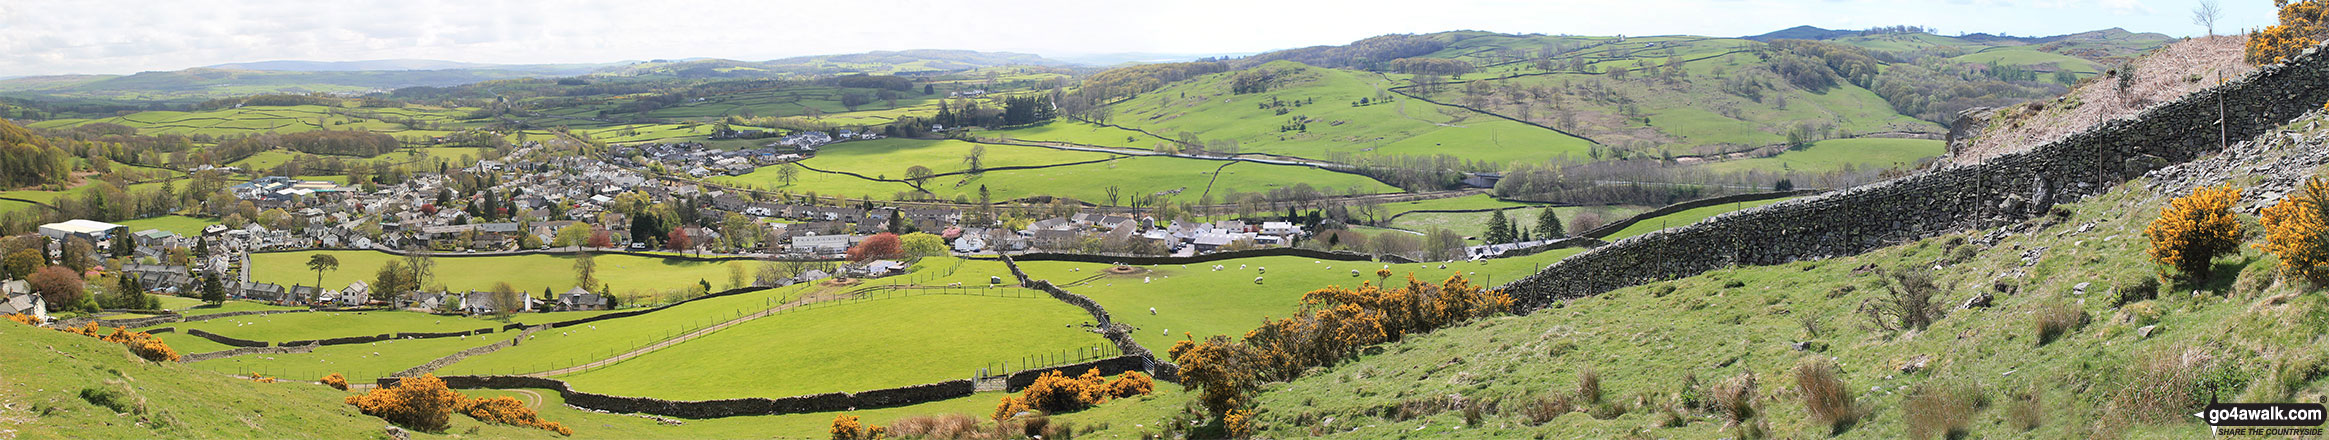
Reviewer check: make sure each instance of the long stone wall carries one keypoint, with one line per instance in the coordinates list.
(2005, 189)
(1117, 334)
(1205, 258)
(198, 357)
(433, 365)
(705, 409)
(214, 337)
(1605, 230)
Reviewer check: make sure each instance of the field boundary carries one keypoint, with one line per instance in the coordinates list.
(1612, 227)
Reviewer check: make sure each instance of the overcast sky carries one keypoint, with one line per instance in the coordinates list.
(41, 37)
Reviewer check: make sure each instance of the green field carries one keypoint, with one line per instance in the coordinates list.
(53, 368)
(1066, 131)
(889, 158)
(284, 327)
(277, 119)
(357, 362)
(1206, 105)
(1475, 224)
(570, 346)
(850, 347)
(1683, 218)
(1839, 154)
(181, 225)
(1133, 175)
(235, 306)
(528, 273)
(1201, 301)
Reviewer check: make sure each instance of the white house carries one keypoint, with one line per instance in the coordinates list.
(821, 243)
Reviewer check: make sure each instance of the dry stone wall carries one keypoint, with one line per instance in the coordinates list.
(2005, 189)
(198, 357)
(1108, 367)
(705, 409)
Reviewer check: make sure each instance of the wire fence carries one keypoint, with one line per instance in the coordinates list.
(1005, 368)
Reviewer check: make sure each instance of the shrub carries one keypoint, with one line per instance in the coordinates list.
(2303, 23)
(1589, 386)
(2055, 319)
(2194, 229)
(1131, 384)
(508, 411)
(2027, 412)
(1909, 306)
(1942, 409)
(1009, 407)
(336, 381)
(2297, 230)
(1054, 392)
(845, 427)
(944, 426)
(261, 378)
(1546, 408)
(2170, 384)
(1238, 422)
(142, 344)
(21, 318)
(117, 401)
(421, 403)
(1735, 398)
(1824, 394)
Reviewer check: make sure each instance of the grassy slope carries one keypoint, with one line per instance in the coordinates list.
(851, 347)
(1730, 321)
(1205, 105)
(1078, 133)
(891, 157)
(321, 325)
(1135, 175)
(1198, 300)
(528, 273)
(571, 346)
(49, 370)
(1836, 154)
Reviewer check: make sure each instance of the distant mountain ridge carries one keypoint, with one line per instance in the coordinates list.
(1817, 33)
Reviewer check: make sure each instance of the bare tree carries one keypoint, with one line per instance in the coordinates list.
(2206, 14)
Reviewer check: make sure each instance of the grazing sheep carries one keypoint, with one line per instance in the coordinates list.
(1144, 280)
(1257, 280)
(1152, 311)
(1259, 269)
(1354, 272)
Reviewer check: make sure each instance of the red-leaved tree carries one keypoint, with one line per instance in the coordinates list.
(58, 285)
(679, 240)
(600, 238)
(878, 247)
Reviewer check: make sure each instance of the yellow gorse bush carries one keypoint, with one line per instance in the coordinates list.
(2195, 228)
(2302, 24)
(2297, 230)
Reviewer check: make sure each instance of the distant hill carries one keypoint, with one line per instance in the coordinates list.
(1803, 33)
(871, 63)
(1111, 59)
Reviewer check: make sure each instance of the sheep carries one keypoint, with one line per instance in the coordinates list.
(1152, 311)
(1144, 280)
(1259, 269)
(1354, 272)
(1257, 280)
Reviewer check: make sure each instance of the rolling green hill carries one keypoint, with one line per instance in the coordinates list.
(1313, 112)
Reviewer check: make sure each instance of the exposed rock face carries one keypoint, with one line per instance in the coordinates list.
(1969, 125)
(1957, 198)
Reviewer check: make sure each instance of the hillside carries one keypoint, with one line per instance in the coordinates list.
(44, 398)
(2132, 356)
(1290, 109)
(2172, 72)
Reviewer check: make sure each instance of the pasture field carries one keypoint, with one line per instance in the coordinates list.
(1479, 201)
(570, 346)
(1073, 132)
(358, 362)
(235, 305)
(891, 157)
(1475, 224)
(1838, 154)
(179, 224)
(528, 273)
(283, 327)
(590, 424)
(199, 403)
(1683, 218)
(280, 119)
(1199, 301)
(1207, 105)
(848, 347)
(8, 206)
(1133, 175)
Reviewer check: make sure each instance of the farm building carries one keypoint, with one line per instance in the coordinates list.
(89, 229)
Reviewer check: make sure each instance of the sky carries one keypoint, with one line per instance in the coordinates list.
(47, 37)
